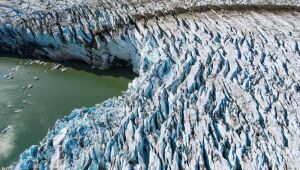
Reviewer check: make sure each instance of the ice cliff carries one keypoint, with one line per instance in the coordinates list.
(218, 85)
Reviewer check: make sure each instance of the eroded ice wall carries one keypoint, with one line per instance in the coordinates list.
(81, 30)
(217, 88)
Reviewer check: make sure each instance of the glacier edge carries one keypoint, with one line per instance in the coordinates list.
(217, 89)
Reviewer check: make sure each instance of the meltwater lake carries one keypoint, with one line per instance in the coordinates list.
(34, 94)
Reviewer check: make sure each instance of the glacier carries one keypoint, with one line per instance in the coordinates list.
(218, 85)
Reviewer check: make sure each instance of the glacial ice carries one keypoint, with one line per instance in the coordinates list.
(218, 87)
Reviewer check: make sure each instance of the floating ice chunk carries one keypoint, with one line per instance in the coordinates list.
(55, 67)
(29, 86)
(64, 69)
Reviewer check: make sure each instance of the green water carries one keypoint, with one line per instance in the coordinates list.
(30, 112)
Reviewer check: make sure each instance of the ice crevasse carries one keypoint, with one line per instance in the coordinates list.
(218, 85)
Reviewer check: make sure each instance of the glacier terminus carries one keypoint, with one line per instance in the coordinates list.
(218, 84)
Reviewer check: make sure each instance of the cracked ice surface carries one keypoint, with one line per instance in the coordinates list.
(217, 88)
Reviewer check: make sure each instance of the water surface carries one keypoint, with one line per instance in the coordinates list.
(37, 96)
